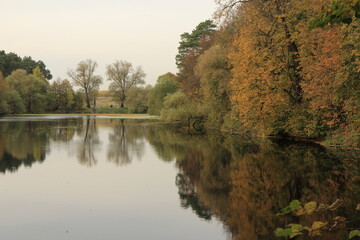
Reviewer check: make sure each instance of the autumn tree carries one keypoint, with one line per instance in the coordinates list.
(191, 46)
(123, 76)
(84, 77)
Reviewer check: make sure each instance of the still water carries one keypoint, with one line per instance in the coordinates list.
(106, 178)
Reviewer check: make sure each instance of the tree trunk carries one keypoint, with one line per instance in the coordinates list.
(87, 99)
(295, 92)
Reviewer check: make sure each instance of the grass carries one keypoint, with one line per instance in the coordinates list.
(105, 99)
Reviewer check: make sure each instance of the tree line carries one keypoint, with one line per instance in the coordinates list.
(24, 86)
(273, 68)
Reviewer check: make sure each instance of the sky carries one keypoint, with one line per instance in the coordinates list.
(63, 33)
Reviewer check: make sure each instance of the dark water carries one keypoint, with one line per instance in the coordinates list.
(102, 178)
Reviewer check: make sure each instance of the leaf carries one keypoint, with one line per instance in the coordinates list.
(358, 207)
(291, 232)
(296, 230)
(308, 208)
(317, 225)
(315, 228)
(294, 205)
(280, 232)
(354, 233)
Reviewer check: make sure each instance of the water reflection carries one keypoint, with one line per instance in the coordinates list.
(239, 181)
(18, 148)
(89, 143)
(125, 142)
(244, 182)
(25, 142)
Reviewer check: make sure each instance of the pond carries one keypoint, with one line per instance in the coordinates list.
(78, 177)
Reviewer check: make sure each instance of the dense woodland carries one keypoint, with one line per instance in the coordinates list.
(265, 68)
(274, 68)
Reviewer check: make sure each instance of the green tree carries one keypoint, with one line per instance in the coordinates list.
(214, 73)
(165, 85)
(192, 45)
(339, 11)
(62, 96)
(84, 77)
(123, 76)
(10, 62)
(177, 108)
(78, 101)
(32, 89)
(137, 99)
(4, 89)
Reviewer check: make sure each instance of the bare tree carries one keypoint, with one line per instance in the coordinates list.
(84, 77)
(123, 77)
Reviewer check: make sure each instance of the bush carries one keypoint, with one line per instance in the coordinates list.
(178, 108)
(86, 111)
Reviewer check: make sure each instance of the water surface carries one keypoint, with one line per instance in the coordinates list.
(101, 178)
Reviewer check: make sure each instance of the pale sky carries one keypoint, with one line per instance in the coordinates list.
(62, 33)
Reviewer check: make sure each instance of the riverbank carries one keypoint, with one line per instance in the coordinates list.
(121, 115)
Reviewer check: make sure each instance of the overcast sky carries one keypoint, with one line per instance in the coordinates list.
(61, 33)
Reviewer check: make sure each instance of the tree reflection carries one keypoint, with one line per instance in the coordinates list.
(203, 169)
(89, 144)
(22, 143)
(189, 198)
(64, 130)
(265, 181)
(28, 141)
(245, 182)
(126, 141)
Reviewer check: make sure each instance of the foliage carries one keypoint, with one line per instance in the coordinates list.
(354, 233)
(192, 45)
(63, 97)
(112, 110)
(318, 227)
(32, 89)
(84, 77)
(294, 205)
(214, 73)
(10, 62)
(123, 77)
(291, 232)
(166, 84)
(177, 108)
(10, 100)
(338, 11)
(137, 99)
(262, 72)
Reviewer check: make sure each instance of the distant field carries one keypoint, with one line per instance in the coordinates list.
(105, 99)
